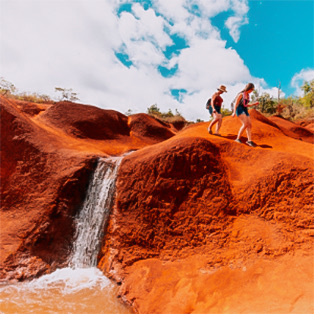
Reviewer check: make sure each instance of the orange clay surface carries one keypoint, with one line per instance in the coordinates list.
(206, 225)
(48, 152)
(200, 224)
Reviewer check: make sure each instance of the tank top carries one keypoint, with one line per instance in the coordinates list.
(218, 101)
(244, 101)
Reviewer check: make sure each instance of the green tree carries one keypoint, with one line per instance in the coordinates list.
(168, 117)
(154, 110)
(266, 104)
(308, 98)
(168, 114)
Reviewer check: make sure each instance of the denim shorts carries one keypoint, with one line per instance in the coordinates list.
(217, 108)
(242, 110)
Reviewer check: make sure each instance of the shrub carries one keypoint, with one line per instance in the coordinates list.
(168, 117)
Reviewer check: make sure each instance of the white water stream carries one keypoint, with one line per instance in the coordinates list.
(94, 214)
(81, 287)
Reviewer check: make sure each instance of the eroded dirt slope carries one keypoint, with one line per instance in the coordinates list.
(48, 152)
(198, 204)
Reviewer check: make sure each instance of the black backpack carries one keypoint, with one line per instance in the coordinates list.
(208, 103)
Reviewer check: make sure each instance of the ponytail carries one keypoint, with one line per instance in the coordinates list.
(248, 87)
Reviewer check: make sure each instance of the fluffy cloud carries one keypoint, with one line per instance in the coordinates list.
(299, 78)
(235, 22)
(75, 45)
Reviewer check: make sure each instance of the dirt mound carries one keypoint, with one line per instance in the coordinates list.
(206, 219)
(30, 108)
(145, 126)
(184, 183)
(179, 125)
(256, 115)
(84, 121)
(45, 170)
(293, 130)
(307, 123)
(41, 191)
(201, 195)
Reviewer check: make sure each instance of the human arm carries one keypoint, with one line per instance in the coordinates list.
(253, 104)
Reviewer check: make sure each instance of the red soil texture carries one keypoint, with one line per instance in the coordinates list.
(48, 152)
(303, 132)
(200, 224)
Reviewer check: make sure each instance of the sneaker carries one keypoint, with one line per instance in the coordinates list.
(250, 143)
(210, 131)
(238, 141)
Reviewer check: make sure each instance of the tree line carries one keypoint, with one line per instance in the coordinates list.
(291, 107)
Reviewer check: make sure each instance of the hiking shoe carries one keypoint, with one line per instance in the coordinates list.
(250, 143)
(210, 131)
(238, 141)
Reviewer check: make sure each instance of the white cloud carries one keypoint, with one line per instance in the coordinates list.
(45, 45)
(235, 22)
(299, 78)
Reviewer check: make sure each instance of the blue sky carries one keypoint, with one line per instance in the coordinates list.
(128, 54)
(278, 40)
(275, 44)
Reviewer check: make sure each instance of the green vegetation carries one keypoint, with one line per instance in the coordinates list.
(308, 98)
(293, 108)
(9, 90)
(226, 112)
(168, 117)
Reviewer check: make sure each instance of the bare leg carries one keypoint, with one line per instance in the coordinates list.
(219, 123)
(244, 120)
(249, 129)
(215, 120)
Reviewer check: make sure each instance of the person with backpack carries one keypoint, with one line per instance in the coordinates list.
(214, 107)
(241, 110)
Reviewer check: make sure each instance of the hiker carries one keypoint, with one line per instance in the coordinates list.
(241, 110)
(215, 109)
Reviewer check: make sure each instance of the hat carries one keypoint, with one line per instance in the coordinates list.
(222, 88)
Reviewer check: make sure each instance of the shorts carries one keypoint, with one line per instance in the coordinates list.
(217, 108)
(242, 110)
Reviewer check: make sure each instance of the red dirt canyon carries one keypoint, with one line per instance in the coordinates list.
(200, 223)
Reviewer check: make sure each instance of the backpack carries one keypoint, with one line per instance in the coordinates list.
(234, 102)
(208, 103)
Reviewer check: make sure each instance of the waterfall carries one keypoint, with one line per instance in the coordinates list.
(81, 287)
(93, 216)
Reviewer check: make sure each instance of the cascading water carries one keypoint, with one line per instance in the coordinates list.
(94, 214)
(80, 288)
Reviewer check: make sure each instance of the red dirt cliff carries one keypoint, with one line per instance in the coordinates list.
(48, 152)
(200, 220)
(200, 224)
